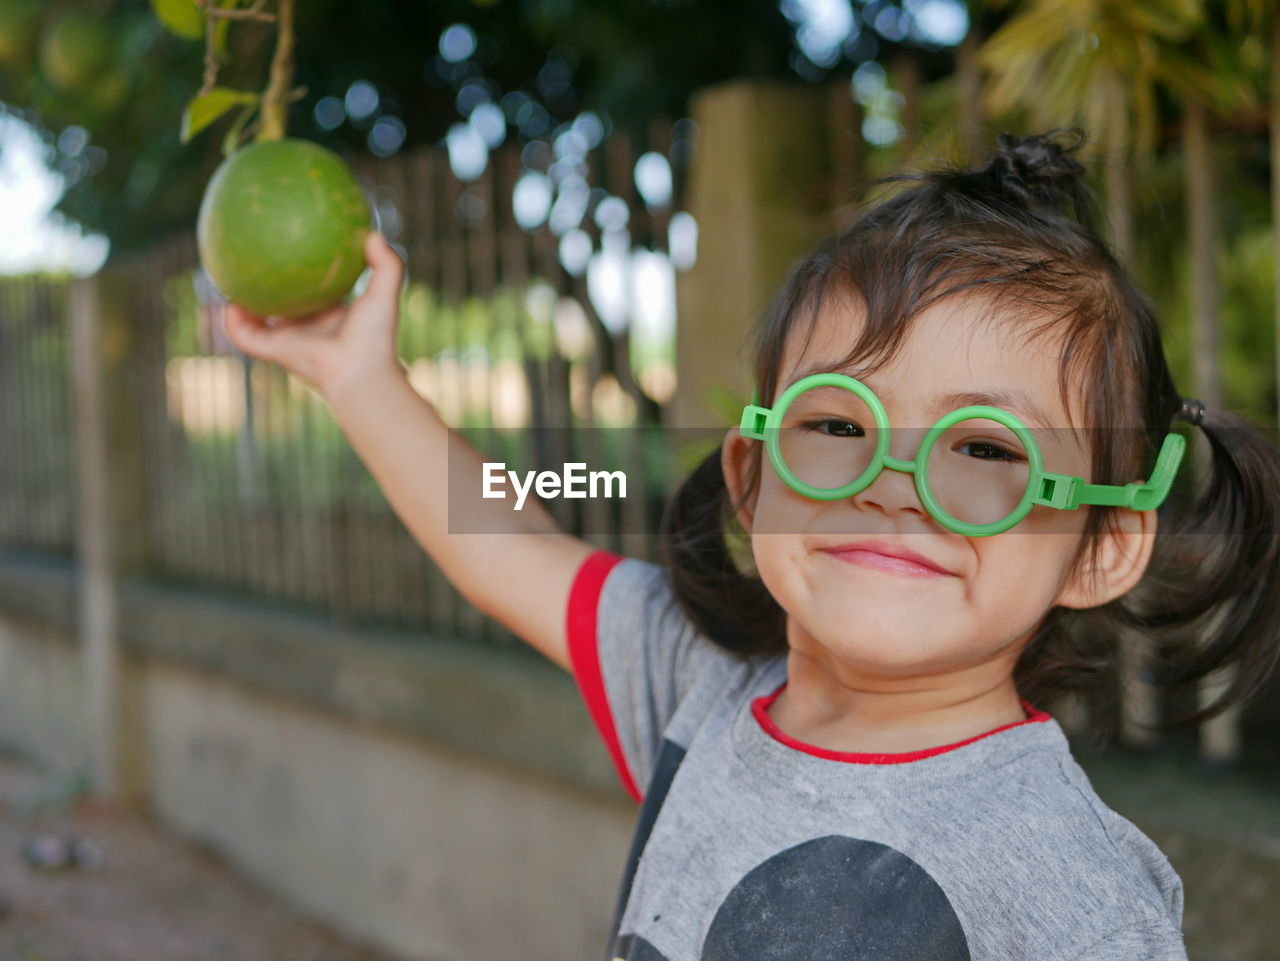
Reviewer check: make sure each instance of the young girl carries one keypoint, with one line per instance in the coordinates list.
(836, 735)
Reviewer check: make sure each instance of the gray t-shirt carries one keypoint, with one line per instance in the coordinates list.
(752, 846)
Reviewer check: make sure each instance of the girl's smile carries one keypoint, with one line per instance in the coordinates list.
(878, 555)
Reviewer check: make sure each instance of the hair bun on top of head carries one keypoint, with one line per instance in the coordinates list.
(1040, 172)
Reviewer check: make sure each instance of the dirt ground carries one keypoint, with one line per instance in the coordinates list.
(152, 897)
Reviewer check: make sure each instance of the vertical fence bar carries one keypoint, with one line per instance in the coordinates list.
(424, 257)
(21, 407)
(453, 283)
(9, 501)
(157, 435)
(42, 517)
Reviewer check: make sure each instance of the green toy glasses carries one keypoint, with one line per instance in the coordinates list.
(978, 470)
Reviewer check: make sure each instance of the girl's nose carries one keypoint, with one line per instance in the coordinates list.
(894, 490)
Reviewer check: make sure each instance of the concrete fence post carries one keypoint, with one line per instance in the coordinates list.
(109, 539)
(760, 190)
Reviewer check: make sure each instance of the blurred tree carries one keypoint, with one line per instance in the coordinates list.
(1100, 64)
(634, 60)
(1254, 21)
(542, 60)
(1228, 90)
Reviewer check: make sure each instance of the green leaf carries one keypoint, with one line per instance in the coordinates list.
(204, 110)
(180, 17)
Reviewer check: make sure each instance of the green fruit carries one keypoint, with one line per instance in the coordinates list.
(282, 227)
(19, 30)
(74, 50)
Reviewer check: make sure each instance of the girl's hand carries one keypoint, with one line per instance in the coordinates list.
(346, 342)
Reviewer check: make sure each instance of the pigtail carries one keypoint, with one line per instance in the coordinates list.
(1212, 584)
(733, 610)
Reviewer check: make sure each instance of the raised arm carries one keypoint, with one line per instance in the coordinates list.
(519, 571)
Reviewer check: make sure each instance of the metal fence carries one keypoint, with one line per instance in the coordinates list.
(38, 502)
(250, 487)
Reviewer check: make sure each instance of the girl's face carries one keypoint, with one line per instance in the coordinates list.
(846, 607)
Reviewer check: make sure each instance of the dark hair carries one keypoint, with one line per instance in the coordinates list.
(1021, 228)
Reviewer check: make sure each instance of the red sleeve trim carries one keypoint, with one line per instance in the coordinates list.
(584, 655)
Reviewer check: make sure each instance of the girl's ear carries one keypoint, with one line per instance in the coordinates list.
(735, 457)
(1122, 559)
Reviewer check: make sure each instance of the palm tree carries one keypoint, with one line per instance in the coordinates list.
(1097, 63)
(1251, 18)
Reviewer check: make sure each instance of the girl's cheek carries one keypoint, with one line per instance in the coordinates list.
(780, 510)
(765, 520)
(783, 575)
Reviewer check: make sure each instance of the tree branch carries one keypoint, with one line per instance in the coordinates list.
(252, 13)
(275, 99)
(210, 59)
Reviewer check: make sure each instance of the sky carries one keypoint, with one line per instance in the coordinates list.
(32, 238)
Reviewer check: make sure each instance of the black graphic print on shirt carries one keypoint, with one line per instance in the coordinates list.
(828, 899)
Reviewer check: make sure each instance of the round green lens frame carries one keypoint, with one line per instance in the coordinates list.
(1044, 488)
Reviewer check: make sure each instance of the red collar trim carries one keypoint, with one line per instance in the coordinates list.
(759, 708)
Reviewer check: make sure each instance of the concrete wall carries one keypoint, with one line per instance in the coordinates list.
(410, 845)
(40, 693)
(321, 780)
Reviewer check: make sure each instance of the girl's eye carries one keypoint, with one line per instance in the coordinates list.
(835, 427)
(988, 451)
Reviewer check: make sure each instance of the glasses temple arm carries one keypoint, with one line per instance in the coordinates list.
(1067, 493)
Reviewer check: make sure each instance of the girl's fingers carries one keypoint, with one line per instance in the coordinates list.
(242, 313)
(252, 335)
(325, 321)
(388, 270)
(243, 329)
